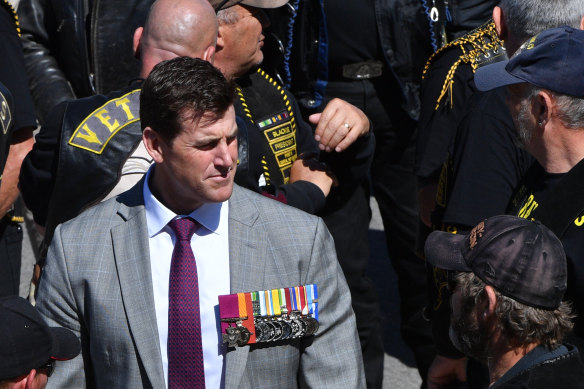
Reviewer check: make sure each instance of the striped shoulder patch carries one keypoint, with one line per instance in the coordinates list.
(96, 130)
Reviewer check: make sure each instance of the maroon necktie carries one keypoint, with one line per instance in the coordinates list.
(185, 349)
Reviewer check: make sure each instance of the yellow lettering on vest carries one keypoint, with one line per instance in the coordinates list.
(281, 131)
(580, 221)
(124, 104)
(105, 118)
(89, 136)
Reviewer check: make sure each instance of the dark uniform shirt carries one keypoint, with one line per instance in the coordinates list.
(487, 162)
(353, 36)
(540, 187)
(437, 126)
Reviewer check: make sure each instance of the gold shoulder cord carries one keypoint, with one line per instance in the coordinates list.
(270, 80)
(12, 12)
(482, 42)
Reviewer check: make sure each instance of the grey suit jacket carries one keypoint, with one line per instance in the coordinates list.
(97, 282)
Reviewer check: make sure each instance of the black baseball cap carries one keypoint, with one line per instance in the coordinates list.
(222, 4)
(26, 342)
(520, 258)
(552, 60)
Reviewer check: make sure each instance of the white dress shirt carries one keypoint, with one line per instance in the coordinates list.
(210, 246)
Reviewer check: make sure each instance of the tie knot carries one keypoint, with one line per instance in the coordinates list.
(183, 228)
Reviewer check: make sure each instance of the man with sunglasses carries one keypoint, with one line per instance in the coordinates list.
(28, 347)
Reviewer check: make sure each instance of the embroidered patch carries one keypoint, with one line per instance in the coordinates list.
(97, 129)
(476, 234)
(273, 120)
(5, 114)
(282, 141)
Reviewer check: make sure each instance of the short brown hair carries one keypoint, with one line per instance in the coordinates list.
(183, 86)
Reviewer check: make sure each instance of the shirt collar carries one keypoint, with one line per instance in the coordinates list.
(158, 215)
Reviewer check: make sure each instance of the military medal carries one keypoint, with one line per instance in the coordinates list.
(286, 329)
(268, 315)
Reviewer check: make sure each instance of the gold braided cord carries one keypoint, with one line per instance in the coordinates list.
(478, 42)
(265, 169)
(12, 13)
(283, 93)
(244, 103)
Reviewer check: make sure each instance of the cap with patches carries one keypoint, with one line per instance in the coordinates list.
(520, 258)
(552, 60)
(222, 4)
(26, 342)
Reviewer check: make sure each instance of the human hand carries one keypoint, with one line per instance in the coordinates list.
(339, 125)
(444, 372)
(311, 170)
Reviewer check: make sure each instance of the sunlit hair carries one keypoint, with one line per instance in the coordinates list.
(521, 324)
(526, 18)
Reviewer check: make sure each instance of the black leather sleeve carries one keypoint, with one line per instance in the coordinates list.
(39, 29)
(38, 171)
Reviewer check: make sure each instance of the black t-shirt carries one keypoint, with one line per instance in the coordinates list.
(352, 31)
(487, 162)
(539, 189)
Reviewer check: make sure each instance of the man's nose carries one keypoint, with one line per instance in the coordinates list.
(223, 157)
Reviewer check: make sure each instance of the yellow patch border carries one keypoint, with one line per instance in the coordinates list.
(112, 134)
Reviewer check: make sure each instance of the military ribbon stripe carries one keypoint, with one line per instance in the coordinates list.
(269, 315)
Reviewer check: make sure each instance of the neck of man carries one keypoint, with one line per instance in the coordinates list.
(561, 150)
(503, 358)
(170, 199)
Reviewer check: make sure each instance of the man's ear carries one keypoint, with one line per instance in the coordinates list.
(542, 108)
(500, 26)
(28, 381)
(582, 23)
(220, 41)
(209, 54)
(154, 144)
(136, 42)
(490, 301)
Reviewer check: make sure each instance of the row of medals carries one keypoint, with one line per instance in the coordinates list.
(271, 329)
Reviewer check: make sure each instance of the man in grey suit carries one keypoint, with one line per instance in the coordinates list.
(107, 271)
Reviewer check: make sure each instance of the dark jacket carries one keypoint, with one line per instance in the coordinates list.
(403, 32)
(73, 50)
(560, 368)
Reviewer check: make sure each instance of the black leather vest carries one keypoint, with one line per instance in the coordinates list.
(97, 137)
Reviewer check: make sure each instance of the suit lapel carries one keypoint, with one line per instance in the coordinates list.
(244, 247)
(132, 257)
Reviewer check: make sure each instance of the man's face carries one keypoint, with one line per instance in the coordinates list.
(466, 333)
(198, 166)
(243, 40)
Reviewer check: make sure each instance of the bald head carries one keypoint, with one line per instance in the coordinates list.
(176, 28)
